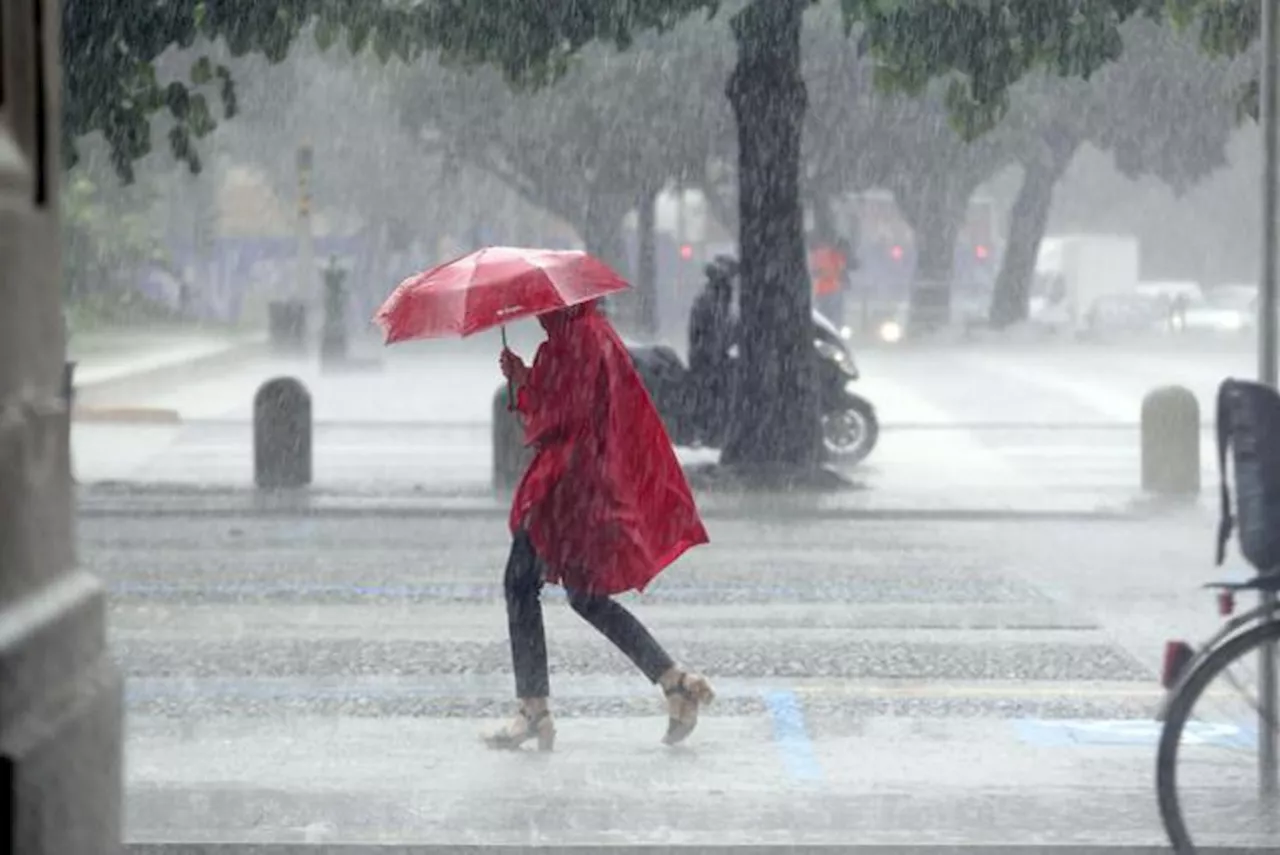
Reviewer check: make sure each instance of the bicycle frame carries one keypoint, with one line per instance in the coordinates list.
(1232, 627)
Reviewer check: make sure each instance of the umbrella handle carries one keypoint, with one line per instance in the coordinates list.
(511, 395)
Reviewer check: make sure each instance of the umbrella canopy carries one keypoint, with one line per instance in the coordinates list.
(493, 287)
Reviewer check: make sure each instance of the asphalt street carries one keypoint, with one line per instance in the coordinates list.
(952, 683)
(936, 679)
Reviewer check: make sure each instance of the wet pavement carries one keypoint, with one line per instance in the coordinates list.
(961, 651)
(966, 429)
(882, 682)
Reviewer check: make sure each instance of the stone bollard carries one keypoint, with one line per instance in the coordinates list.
(1171, 442)
(510, 456)
(282, 434)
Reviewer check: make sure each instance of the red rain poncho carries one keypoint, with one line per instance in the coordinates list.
(604, 500)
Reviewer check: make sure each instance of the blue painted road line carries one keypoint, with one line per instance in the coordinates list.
(1066, 733)
(791, 736)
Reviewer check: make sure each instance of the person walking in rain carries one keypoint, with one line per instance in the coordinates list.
(712, 332)
(602, 509)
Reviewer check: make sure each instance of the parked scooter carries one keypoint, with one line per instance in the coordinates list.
(850, 427)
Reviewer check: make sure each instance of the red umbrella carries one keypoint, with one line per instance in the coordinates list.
(493, 287)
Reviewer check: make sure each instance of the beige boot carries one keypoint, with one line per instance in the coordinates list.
(686, 693)
(532, 722)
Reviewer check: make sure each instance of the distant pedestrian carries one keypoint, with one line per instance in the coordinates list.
(828, 265)
(713, 332)
(603, 508)
(1178, 312)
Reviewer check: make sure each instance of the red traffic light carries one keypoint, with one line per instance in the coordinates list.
(686, 251)
(895, 252)
(981, 252)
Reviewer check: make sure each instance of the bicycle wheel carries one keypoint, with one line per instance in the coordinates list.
(1207, 780)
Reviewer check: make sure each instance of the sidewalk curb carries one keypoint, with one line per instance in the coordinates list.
(658, 849)
(189, 369)
(126, 415)
(304, 506)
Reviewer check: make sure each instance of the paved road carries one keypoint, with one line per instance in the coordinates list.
(322, 679)
(325, 680)
(962, 425)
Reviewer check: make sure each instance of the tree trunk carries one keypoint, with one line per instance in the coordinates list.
(1011, 299)
(646, 263)
(601, 231)
(936, 247)
(934, 207)
(776, 408)
(930, 302)
(827, 234)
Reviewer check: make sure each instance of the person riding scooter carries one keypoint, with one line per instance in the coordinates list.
(696, 403)
(713, 331)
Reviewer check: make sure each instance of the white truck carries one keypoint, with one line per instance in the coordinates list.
(1077, 275)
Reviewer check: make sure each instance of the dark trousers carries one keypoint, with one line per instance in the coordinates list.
(523, 585)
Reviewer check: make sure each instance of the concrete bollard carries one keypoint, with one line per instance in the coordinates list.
(510, 456)
(1171, 442)
(282, 434)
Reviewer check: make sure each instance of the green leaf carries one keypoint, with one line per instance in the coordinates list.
(227, 91)
(202, 71)
(326, 32)
(180, 142)
(970, 117)
(357, 36)
(382, 47)
(178, 99)
(199, 119)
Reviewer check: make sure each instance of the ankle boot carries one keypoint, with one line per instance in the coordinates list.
(528, 725)
(684, 697)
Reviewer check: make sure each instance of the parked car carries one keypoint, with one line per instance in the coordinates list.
(1126, 313)
(1226, 309)
(1171, 289)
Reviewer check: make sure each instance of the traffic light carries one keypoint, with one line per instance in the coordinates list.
(981, 252)
(686, 251)
(895, 252)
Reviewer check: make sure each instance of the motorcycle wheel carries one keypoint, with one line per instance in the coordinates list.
(850, 434)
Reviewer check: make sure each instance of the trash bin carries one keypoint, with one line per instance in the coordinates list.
(287, 326)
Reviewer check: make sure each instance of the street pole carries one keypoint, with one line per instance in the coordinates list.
(1267, 367)
(306, 286)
